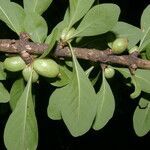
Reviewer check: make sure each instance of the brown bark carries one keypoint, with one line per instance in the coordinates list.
(102, 56)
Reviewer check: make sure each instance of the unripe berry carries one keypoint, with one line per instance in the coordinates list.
(119, 45)
(14, 64)
(26, 74)
(46, 67)
(109, 72)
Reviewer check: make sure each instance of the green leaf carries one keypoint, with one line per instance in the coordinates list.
(4, 95)
(98, 20)
(53, 109)
(131, 32)
(2, 73)
(134, 80)
(36, 26)
(50, 40)
(78, 102)
(145, 26)
(16, 92)
(106, 105)
(141, 118)
(142, 77)
(137, 87)
(13, 15)
(147, 49)
(38, 6)
(77, 10)
(64, 77)
(21, 130)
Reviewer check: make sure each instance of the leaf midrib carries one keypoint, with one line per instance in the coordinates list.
(79, 87)
(25, 117)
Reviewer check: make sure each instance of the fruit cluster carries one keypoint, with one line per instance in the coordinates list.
(44, 67)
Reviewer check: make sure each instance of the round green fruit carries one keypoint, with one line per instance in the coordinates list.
(46, 67)
(109, 72)
(119, 45)
(14, 64)
(27, 72)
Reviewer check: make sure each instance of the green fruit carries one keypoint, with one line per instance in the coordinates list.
(14, 64)
(109, 72)
(26, 74)
(119, 45)
(134, 49)
(46, 67)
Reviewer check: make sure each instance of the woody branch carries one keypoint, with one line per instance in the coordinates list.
(102, 56)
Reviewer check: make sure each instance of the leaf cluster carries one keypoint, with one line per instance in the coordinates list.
(82, 100)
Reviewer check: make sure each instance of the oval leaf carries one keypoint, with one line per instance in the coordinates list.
(98, 20)
(141, 118)
(21, 130)
(8, 11)
(36, 26)
(106, 106)
(78, 104)
(38, 6)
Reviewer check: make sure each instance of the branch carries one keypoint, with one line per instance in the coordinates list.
(23, 47)
(26, 48)
(16, 46)
(105, 56)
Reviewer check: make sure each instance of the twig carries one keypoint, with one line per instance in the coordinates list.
(105, 56)
(102, 56)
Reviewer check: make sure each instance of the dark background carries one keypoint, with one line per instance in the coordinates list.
(119, 132)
